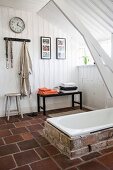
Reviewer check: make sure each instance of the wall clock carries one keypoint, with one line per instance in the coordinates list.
(17, 25)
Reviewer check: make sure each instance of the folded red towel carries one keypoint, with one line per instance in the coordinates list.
(47, 91)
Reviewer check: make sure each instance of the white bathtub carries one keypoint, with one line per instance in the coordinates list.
(83, 123)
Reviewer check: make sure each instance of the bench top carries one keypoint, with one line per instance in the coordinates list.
(59, 94)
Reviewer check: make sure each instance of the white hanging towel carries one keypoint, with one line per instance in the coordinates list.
(25, 71)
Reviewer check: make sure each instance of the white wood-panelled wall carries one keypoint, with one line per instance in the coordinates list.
(46, 73)
(95, 95)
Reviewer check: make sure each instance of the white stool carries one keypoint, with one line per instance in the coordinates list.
(8, 104)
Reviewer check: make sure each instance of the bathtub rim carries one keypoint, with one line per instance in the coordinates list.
(78, 132)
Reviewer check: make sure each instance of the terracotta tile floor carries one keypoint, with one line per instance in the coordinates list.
(23, 147)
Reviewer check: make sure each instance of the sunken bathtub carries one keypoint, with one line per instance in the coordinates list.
(78, 134)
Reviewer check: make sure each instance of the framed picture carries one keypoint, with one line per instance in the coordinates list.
(45, 47)
(61, 48)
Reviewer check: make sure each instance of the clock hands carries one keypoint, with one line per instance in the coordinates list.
(18, 25)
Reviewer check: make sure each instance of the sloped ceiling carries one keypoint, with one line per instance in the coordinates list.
(96, 15)
(89, 14)
(31, 5)
(53, 14)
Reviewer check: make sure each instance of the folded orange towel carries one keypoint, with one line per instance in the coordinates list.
(47, 91)
(43, 89)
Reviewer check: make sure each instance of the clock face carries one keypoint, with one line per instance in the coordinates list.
(17, 25)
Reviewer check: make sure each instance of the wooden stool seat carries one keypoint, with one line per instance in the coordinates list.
(9, 97)
(13, 94)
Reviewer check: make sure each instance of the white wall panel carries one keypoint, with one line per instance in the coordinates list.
(46, 73)
(94, 90)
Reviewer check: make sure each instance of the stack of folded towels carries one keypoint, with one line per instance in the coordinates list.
(68, 88)
(46, 91)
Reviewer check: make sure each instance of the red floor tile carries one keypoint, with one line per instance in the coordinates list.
(36, 121)
(36, 127)
(7, 163)
(22, 124)
(91, 156)
(42, 152)
(13, 119)
(27, 136)
(2, 121)
(19, 130)
(26, 157)
(28, 144)
(4, 133)
(7, 126)
(46, 164)
(107, 160)
(41, 116)
(51, 150)
(25, 118)
(72, 168)
(92, 165)
(36, 134)
(26, 167)
(8, 149)
(13, 139)
(42, 141)
(65, 162)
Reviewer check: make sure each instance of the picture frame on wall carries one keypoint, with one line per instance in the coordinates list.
(61, 48)
(45, 47)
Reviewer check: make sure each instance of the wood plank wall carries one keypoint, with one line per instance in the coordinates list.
(46, 73)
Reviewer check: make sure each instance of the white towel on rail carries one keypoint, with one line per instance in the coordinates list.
(25, 71)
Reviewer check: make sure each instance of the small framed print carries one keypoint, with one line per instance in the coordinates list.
(61, 48)
(45, 47)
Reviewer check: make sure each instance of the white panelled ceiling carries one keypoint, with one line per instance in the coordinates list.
(96, 15)
(31, 5)
(53, 14)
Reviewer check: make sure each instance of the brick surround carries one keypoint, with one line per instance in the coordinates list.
(79, 145)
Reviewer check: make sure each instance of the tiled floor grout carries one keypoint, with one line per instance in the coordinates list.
(56, 162)
(102, 163)
(21, 166)
(27, 128)
(104, 154)
(37, 161)
(14, 125)
(41, 145)
(14, 161)
(37, 153)
(30, 167)
(11, 132)
(3, 141)
(18, 147)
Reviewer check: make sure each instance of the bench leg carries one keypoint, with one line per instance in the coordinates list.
(38, 103)
(72, 100)
(44, 106)
(81, 100)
